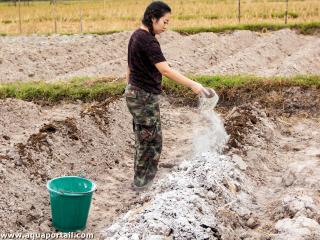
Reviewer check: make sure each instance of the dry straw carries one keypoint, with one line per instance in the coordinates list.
(70, 17)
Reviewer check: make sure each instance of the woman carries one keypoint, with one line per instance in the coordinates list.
(146, 65)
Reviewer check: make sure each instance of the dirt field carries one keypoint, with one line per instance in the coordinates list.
(264, 184)
(242, 52)
(269, 186)
(38, 143)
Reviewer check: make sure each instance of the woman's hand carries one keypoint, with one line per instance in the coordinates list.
(199, 89)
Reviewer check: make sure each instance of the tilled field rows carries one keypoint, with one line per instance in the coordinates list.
(283, 53)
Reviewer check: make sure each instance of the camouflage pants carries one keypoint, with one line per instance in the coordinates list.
(145, 111)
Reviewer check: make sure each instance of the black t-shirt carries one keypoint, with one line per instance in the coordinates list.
(143, 53)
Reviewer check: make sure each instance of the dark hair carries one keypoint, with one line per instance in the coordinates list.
(156, 9)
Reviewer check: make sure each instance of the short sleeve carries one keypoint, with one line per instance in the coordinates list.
(153, 52)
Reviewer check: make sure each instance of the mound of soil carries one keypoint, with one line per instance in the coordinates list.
(281, 52)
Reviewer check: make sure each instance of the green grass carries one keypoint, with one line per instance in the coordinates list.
(304, 28)
(6, 21)
(190, 17)
(85, 89)
(89, 89)
(242, 81)
(96, 33)
(282, 15)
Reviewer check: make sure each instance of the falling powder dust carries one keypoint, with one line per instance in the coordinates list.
(183, 203)
(213, 136)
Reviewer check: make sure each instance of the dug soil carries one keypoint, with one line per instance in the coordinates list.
(267, 184)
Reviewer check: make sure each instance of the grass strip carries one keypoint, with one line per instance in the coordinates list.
(95, 89)
(223, 83)
(303, 28)
(85, 89)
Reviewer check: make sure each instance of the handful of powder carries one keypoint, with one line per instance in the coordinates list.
(208, 101)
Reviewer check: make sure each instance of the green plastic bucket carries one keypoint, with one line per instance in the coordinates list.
(70, 199)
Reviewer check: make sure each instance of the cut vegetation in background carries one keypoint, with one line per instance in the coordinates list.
(112, 15)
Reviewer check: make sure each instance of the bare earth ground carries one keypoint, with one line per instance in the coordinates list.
(264, 185)
(267, 185)
(282, 53)
(93, 140)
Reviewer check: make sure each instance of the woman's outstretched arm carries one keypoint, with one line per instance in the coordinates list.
(165, 70)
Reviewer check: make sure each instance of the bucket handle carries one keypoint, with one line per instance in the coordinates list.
(70, 192)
